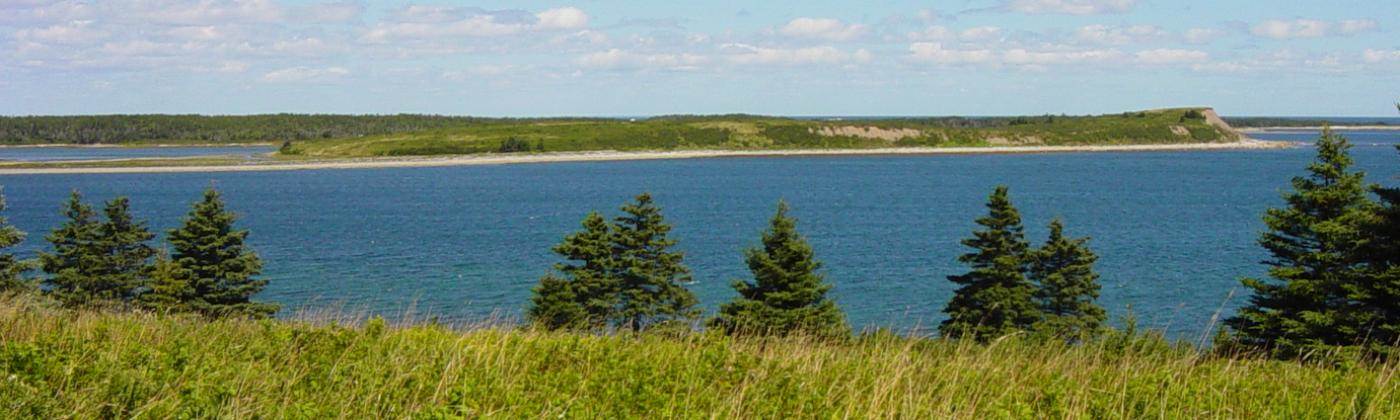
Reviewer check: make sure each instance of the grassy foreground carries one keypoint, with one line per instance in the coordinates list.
(60, 363)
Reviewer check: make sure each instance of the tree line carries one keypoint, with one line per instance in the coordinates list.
(622, 274)
(108, 261)
(1335, 275)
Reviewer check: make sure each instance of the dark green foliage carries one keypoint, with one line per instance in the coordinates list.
(539, 146)
(621, 274)
(75, 266)
(994, 299)
(513, 145)
(587, 294)
(1066, 286)
(11, 268)
(123, 245)
(787, 294)
(651, 276)
(1313, 243)
(1377, 294)
(113, 129)
(218, 266)
(1192, 114)
(169, 288)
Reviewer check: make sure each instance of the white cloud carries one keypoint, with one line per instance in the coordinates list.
(1070, 7)
(748, 54)
(980, 33)
(1118, 35)
(1202, 35)
(1171, 56)
(1310, 28)
(934, 52)
(436, 22)
(827, 29)
(932, 33)
(562, 18)
(1377, 56)
(619, 59)
(305, 74)
(1348, 27)
(75, 32)
(1019, 56)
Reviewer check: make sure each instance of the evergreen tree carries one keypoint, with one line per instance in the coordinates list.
(1066, 285)
(586, 296)
(169, 287)
(122, 244)
(651, 277)
(1313, 246)
(995, 298)
(787, 294)
(1376, 292)
(219, 265)
(11, 268)
(75, 265)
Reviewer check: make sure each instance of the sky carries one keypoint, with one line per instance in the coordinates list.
(640, 58)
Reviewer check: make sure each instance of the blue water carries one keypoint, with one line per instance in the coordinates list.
(49, 154)
(1174, 230)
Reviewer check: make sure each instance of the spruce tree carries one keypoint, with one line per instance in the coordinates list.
(169, 287)
(994, 298)
(75, 265)
(651, 276)
(1376, 289)
(586, 296)
(787, 294)
(122, 244)
(1313, 246)
(11, 268)
(220, 266)
(1066, 285)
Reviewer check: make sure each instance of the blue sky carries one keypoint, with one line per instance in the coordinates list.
(629, 58)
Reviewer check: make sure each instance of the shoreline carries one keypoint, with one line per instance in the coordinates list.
(1317, 128)
(604, 156)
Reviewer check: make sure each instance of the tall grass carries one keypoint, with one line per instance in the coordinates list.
(59, 363)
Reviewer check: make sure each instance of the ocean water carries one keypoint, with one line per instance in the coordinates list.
(1174, 230)
(49, 154)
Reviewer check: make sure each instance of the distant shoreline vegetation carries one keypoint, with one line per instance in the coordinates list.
(354, 136)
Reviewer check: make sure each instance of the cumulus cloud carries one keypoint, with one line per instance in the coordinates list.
(1310, 28)
(826, 29)
(305, 74)
(1202, 35)
(562, 18)
(749, 54)
(435, 22)
(1069, 7)
(1041, 56)
(1171, 56)
(619, 59)
(1118, 35)
(1378, 56)
(934, 52)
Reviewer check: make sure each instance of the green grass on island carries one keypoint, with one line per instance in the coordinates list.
(318, 137)
(86, 364)
(772, 133)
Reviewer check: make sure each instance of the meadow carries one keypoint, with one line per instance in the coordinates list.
(92, 363)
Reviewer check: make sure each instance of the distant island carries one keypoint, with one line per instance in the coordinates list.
(336, 141)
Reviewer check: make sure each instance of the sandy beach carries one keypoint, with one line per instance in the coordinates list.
(401, 162)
